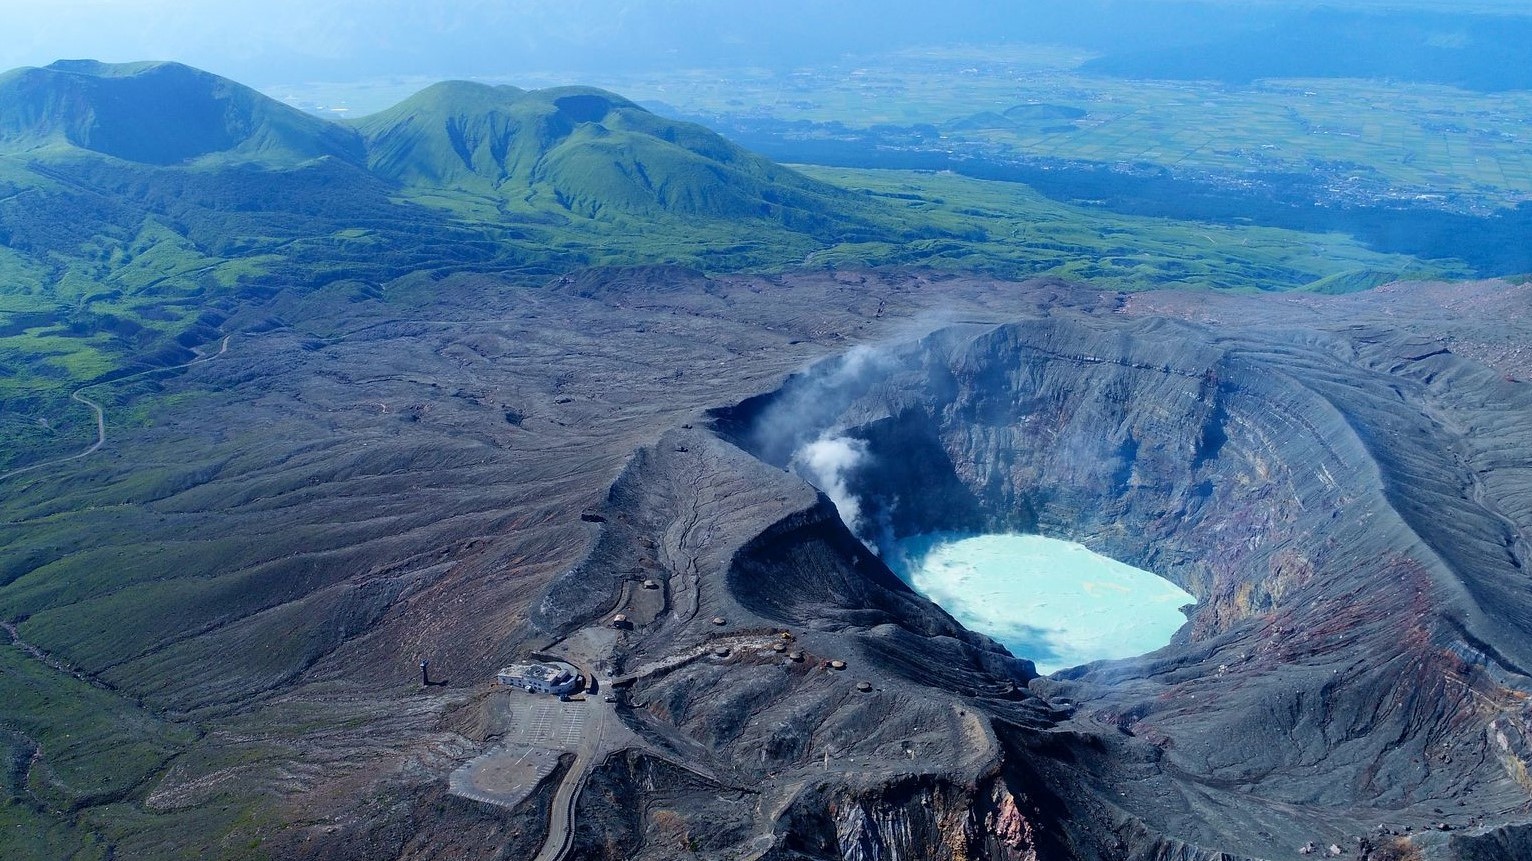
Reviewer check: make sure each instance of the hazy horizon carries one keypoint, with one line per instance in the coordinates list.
(285, 41)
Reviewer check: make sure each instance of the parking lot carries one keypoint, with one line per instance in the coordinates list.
(546, 722)
(536, 730)
(504, 776)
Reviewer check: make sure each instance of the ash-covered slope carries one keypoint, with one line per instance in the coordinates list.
(242, 589)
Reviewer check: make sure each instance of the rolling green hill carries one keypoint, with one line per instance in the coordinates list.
(143, 206)
(159, 114)
(591, 153)
(148, 208)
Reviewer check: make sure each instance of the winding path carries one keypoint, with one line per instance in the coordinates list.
(78, 396)
(100, 438)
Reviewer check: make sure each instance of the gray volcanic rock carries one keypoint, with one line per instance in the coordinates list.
(1356, 655)
(1343, 482)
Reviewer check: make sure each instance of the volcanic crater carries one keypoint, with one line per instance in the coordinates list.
(1337, 495)
(1342, 482)
(262, 590)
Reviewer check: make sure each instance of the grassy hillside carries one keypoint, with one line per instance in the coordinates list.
(111, 268)
(146, 209)
(582, 153)
(161, 114)
(1012, 230)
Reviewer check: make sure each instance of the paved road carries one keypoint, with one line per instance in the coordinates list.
(100, 439)
(561, 817)
(79, 397)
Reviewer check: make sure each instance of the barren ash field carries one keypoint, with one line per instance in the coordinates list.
(1340, 481)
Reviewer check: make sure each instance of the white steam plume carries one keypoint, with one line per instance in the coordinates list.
(811, 403)
(826, 463)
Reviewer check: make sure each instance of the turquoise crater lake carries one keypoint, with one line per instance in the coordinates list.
(1054, 602)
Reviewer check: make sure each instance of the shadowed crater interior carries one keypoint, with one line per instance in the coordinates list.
(1355, 658)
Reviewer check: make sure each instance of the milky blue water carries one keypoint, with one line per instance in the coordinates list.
(1053, 602)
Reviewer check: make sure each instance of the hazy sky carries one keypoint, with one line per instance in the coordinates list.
(287, 41)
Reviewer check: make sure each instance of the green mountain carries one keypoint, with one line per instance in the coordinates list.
(144, 205)
(159, 114)
(591, 153)
(146, 209)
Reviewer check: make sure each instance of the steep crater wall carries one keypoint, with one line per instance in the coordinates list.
(1358, 616)
(1176, 456)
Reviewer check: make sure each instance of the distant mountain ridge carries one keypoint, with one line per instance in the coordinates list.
(585, 150)
(581, 150)
(159, 114)
(135, 198)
